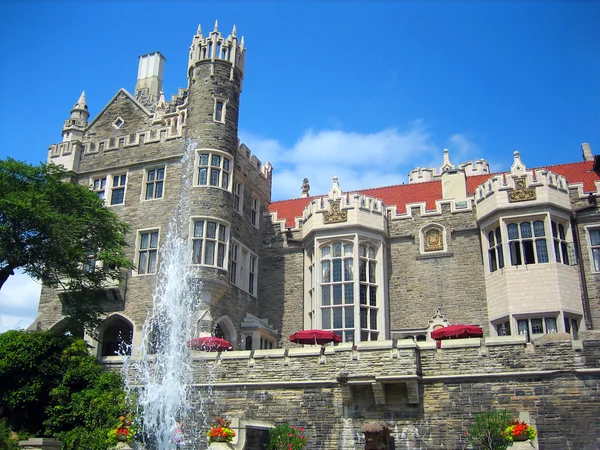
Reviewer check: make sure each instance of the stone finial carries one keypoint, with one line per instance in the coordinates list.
(216, 29)
(517, 167)
(199, 31)
(233, 32)
(305, 187)
(447, 165)
(587, 152)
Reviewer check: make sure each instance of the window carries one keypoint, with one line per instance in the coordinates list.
(346, 303)
(368, 292)
(209, 243)
(560, 243)
(118, 190)
(99, 187)
(238, 197)
(154, 183)
(220, 107)
(213, 169)
(254, 212)
(572, 327)
(244, 265)
(527, 243)
(539, 325)
(503, 328)
(595, 248)
(148, 252)
(495, 252)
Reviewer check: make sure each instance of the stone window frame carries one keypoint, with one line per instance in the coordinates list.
(139, 250)
(222, 111)
(154, 183)
(105, 190)
(423, 244)
(220, 251)
(243, 267)
(495, 248)
(225, 170)
(238, 197)
(118, 123)
(593, 247)
(351, 331)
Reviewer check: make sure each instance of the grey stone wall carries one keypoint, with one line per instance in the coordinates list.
(419, 283)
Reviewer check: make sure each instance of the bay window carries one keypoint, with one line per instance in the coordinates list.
(209, 242)
(214, 169)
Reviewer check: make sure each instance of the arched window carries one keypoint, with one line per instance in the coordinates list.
(116, 337)
(248, 342)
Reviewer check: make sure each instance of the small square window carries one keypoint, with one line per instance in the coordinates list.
(118, 123)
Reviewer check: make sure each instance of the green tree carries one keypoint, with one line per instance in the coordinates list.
(52, 387)
(30, 367)
(58, 232)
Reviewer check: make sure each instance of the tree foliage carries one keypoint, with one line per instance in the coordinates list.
(487, 432)
(58, 232)
(52, 387)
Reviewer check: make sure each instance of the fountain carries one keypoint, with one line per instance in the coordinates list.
(162, 372)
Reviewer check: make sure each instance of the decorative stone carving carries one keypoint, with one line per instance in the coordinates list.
(434, 240)
(521, 193)
(335, 215)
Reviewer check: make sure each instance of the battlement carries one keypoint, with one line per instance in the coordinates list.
(521, 186)
(425, 174)
(215, 47)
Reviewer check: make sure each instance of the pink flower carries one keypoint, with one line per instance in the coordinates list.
(300, 428)
(292, 428)
(291, 434)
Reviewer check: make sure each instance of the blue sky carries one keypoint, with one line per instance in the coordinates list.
(362, 90)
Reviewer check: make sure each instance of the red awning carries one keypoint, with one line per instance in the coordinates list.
(457, 332)
(210, 344)
(314, 337)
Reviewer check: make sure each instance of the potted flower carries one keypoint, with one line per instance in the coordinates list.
(220, 431)
(123, 432)
(286, 436)
(519, 431)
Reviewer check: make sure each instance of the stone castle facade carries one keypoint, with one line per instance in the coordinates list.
(517, 253)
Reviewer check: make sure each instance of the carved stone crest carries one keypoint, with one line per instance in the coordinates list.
(335, 215)
(434, 241)
(521, 193)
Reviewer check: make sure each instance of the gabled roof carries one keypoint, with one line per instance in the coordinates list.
(403, 194)
(112, 100)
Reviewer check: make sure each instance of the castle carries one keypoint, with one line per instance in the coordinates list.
(516, 252)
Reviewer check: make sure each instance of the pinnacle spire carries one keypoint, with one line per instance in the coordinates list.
(233, 31)
(216, 25)
(81, 103)
(199, 31)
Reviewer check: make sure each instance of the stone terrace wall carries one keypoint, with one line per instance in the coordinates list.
(558, 383)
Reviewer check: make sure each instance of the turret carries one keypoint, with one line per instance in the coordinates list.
(150, 77)
(74, 127)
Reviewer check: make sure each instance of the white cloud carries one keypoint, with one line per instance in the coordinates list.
(19, 300)
(359, 160)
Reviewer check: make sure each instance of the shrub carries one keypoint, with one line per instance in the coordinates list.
(286, 437)
(487, 432)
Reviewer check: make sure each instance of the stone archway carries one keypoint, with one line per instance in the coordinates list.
(115, 335)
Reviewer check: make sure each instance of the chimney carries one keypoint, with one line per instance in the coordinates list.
(150, 77)
(587, 152)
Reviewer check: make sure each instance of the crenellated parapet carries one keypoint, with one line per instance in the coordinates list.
(215, 47)
(252, 170)
(425, 174)
(521, 188)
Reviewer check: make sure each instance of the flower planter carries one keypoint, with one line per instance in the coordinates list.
(121, 437)
(219, 439)
(520, 438)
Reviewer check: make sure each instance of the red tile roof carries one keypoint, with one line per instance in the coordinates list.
(403, 194)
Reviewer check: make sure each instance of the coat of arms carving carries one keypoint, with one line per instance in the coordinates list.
(335, 215)
(521, 193)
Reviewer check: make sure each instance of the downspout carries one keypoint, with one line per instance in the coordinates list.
(585, 300)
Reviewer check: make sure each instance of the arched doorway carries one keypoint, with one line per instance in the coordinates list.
(116, 337)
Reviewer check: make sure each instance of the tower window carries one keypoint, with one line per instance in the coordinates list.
(220, 110)
(213, 169)
(561, 249)
(209, 243)
(254, 212)
(527, 243)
